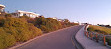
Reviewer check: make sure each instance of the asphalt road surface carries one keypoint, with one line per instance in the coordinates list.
(61, 39)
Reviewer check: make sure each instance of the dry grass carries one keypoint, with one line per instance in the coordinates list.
(99, 29)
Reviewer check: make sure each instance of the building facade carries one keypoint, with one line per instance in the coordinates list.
(2, 7)
(19, 13)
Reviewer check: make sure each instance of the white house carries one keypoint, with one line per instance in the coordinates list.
(2, 8)
(25, 13)
(54, 18)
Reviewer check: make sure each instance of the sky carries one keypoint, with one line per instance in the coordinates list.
(89, 11)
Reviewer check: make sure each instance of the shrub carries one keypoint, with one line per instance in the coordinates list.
(14, 30)
(6, 39)
(20, 29)
(35, 31)
(8, 15)
(2, 19)
(47, 24)
(108, 40)
(43, 28)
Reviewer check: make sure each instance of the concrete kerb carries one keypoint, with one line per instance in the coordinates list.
(19, 45)
(76, 37)
(76, 43)
(72, 39)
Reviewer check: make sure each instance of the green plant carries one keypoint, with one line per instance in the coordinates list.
(15, 30)
(47, 24)
(6, 39)
(8, 15)
(99, 29)
(108, 40)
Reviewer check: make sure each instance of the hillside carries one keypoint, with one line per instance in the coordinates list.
(99, 29)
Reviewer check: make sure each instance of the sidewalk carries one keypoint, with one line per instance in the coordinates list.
(87, 43)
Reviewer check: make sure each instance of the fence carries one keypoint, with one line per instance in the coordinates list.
(100, 38)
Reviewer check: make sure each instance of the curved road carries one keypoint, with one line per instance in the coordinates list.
(61, 39)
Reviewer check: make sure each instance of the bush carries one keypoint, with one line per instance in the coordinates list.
(6, 39)
(2, 19)
(14, 30)
(43, 28)
(20, 29)
(47, 24)
(108, 40)
(35, 31)
(8, 15)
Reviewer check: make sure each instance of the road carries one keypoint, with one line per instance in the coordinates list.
(61, 39)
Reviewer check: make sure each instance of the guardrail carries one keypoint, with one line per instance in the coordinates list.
(99, 38)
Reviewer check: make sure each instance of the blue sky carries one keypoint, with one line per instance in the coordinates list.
(91, 11)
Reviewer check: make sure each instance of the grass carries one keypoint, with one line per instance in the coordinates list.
(99, 29)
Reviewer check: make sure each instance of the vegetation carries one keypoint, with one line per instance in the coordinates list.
(47, 24)
(67, 23)
(6, 39)
(99, 29)
(108, 40)
(14, 30)
(108, 26)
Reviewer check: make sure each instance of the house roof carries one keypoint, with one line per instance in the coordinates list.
(26, 12)
(2, 5)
